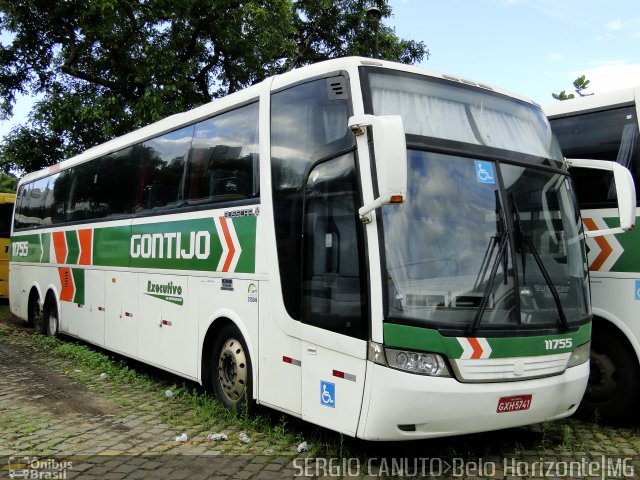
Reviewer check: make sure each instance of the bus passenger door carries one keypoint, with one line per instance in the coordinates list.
(335, 310)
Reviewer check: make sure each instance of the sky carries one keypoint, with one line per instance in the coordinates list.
(531, 47)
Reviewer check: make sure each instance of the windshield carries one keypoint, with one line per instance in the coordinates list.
(462, 252)
(452, 111)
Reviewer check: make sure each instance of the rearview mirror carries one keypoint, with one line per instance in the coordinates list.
(625, 189)
(390, 152)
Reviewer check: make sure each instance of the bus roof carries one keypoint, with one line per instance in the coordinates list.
(174, 122)
(7, 197)
(600, 101)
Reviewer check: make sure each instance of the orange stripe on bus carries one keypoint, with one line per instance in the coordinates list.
(477, 348)
(227, 238)
(66, 281)
(84, 238)
(605, 248)
(59, 246)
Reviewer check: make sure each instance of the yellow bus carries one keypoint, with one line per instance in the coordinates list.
(7, 201)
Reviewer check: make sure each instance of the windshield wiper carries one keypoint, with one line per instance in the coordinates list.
(564, 324)
(501, 227)
(554, 292)
(504, 237)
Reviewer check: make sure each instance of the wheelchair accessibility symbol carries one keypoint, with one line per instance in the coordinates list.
(328, 394)
(484, 172)
(637, 289)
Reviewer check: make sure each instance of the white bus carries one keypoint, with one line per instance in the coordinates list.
(383, 251)
(605, 127)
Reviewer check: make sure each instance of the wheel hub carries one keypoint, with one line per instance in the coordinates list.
(232, 370)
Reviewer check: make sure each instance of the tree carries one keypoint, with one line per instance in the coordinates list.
(580, 84)
(8, 183)
(105, 67)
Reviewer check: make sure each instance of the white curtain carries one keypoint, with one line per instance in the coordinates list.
(447, 118)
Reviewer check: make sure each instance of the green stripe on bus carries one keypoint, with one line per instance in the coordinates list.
(630, 242)
(246, 231)
(78, 282)
(45, 242)
(429, 340)
(73, 247)
(26, 248)
(193, 244)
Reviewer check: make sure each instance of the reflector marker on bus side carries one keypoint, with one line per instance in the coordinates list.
(347, 376)
(474, 348)
(231, 248)
(291, 361)
(167, 323)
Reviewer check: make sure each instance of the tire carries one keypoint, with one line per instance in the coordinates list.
(613, 390)
(231, 372)
(51, 318)
(35, 316)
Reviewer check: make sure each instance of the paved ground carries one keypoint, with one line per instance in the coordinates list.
(60, 419)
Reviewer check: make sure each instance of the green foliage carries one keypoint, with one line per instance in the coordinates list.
(563, 95)
(105, 67)
(8, 183)
(580, 84)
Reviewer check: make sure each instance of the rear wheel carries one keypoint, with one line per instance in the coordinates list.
(231, 369)
(614, 380)
(51, 319)
(34, 314)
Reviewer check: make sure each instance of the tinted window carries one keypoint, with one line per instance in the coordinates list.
(607, 135)
(22, 205)
(115, 183)
(308, 124)
(6, 210)
(61, 189)
(223, 165)
(162, 168)
(334, 297)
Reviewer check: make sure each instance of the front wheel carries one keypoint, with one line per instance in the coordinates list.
(614, 380)
(231, 369)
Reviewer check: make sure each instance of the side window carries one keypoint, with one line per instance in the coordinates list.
(333, 286)
(37, 201)
(22, 207)
(162, 167)
(605, 135)
(61, 190)
(115, 182)
(223, 165)
(82, 204)
(308, 125)
(6, 211)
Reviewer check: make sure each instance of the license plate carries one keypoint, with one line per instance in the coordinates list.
(514, 404)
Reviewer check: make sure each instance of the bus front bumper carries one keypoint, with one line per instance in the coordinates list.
(405, 406)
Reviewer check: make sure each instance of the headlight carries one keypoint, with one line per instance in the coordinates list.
(422, 363)
(579, 355)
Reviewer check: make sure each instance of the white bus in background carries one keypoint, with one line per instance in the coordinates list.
(605, 127)
(387, 252)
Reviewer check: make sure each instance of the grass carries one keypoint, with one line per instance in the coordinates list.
(191, 406)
